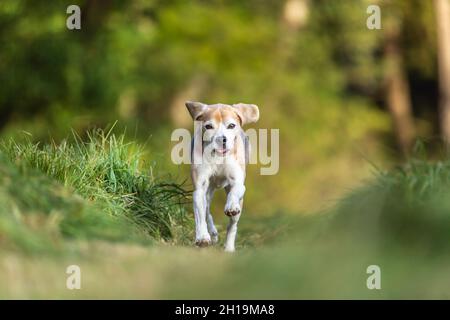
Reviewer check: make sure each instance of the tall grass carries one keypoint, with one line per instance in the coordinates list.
(407, 207)
(107, 174)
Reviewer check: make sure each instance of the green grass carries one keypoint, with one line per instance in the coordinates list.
(97, 188)
(98, 193)
(408, 206)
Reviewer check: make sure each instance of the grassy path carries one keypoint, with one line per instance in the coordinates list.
(90, 204)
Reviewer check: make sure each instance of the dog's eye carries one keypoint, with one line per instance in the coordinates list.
(231, 126)
(208, 126)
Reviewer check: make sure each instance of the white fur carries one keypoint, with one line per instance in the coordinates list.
(220, 168)
(212, 176)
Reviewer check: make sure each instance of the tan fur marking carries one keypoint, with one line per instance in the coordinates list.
(217, 116)
(222, 115)
(228, 112)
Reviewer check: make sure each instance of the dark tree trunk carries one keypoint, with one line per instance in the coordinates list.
(397, 90)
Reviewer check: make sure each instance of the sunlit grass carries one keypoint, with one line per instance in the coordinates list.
(88, 188)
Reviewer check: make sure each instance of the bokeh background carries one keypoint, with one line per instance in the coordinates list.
(344, 97)
(364, 122)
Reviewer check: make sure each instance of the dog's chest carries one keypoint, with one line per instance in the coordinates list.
(221, 175)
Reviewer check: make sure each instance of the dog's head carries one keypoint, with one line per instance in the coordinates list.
(222, 123)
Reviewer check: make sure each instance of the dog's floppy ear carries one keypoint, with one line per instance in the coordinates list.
(248, 113)
(196, 108)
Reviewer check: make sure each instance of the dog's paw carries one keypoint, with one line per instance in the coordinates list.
(203, 243)
(229, 249)
(214, 238)
(232, 210)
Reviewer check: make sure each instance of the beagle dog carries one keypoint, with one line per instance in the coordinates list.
(219, 154)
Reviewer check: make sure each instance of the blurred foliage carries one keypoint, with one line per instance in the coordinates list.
(319, 81)
(137, 61)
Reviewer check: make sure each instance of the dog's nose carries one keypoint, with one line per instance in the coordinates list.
(221, 140)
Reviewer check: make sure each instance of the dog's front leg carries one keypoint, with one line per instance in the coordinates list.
(235, 194)
(233, 209)
(209, 219)
(202, 237)
(231, 233)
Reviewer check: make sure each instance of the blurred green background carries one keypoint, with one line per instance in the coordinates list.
(314, 68)
(348, 101)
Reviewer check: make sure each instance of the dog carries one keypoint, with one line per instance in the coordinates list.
(219, 154)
